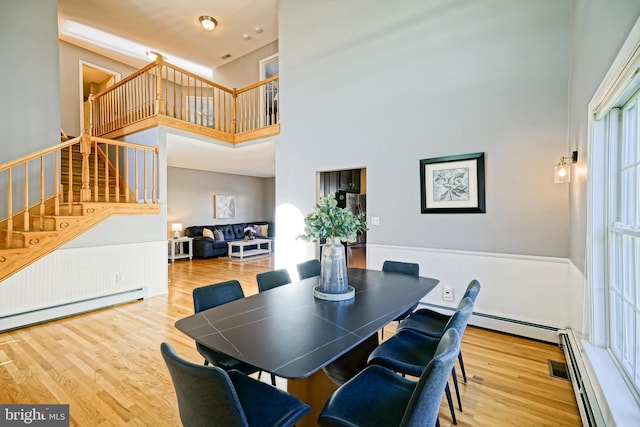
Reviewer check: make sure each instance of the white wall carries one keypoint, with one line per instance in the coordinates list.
(383, 85)
(190, 197)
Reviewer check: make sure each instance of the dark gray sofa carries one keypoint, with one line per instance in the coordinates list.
(206, 247)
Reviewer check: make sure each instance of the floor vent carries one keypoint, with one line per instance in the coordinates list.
(558, 369)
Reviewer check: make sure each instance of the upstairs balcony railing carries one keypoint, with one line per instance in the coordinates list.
(169, 94)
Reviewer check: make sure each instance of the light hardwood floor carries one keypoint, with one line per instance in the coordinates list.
(107, 366)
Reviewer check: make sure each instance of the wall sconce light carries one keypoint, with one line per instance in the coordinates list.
(176, 228)
(208, 23)
(562, 171)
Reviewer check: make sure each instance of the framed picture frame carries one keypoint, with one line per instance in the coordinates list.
(224, 206)
(453, 184)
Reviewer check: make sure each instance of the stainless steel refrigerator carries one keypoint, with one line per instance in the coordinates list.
(356, 251)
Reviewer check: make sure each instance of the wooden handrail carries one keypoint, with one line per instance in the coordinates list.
(122, 82)
(45, 175)
(258, 84)
(161, 89)
(42, 152)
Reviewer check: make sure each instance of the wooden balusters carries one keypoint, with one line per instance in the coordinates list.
(9, 232)
(70, 180)
(136, 191)
(42, 207)
(117, 174)
(56, 184)
(95, 174)
(144, 171)
(126, 175)
(26, 198)
(85, 150)
(162, 89)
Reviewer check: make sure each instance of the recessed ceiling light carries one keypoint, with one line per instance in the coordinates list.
(225, 56)
(246, 36)
(208, 23)
(258, 30)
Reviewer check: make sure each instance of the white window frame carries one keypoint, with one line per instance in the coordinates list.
(619, 402)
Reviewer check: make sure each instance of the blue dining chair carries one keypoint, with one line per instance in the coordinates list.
(272, 279)
(209, 296)
(209, 395)
(409, 268)
(433, 323)
(409, 352)
(310, 268)
(378, 396)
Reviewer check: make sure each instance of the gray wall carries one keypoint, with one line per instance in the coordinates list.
(599, 29)
(190, 197)
(245, 70)
(382, 86)
(70, 57)
(30, 79)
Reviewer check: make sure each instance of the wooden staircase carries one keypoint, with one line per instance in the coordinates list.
(89, 190)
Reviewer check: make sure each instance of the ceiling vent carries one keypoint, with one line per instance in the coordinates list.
(227, 56)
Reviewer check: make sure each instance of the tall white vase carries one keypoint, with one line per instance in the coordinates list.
(333, 268)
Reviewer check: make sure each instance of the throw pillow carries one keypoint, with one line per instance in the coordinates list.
(207, 233)
(264, 230)
(219, 235)
(257, 230)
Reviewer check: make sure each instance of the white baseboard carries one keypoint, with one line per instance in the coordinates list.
(50, 313)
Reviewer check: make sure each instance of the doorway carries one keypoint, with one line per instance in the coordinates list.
(350, 189)
(269, 67)
(93, 80)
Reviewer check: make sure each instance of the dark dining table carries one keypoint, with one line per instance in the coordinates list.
(289, 332)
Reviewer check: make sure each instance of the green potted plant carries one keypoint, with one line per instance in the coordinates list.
(336, 225)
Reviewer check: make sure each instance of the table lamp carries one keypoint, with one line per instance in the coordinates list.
(176, 228)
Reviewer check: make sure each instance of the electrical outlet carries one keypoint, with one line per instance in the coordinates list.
(375, 220)
(447, 293)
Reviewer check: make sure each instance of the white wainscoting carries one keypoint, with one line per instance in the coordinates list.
(522, 295)
(71, 281)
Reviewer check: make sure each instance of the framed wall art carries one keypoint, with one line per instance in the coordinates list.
(453, 184)
(224, 206)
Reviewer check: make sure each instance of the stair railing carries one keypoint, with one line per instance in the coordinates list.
(163, 89)
(127, 168)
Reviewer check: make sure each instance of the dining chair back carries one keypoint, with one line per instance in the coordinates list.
(272, 279)
(208, 394)
(409, 352)
(209, 296)
(472, 291)
(206, 297)
(308, 269)
(410, 268)
(378, 396)
(424, 405)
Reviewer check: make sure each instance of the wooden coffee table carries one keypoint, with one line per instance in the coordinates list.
(259, 249)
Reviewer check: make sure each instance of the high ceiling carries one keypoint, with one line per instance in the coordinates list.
(172, 28)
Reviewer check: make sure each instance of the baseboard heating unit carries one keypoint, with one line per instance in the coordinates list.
(588, 406)
(19, 320)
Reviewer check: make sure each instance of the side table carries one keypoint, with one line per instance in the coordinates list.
(181, 247)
